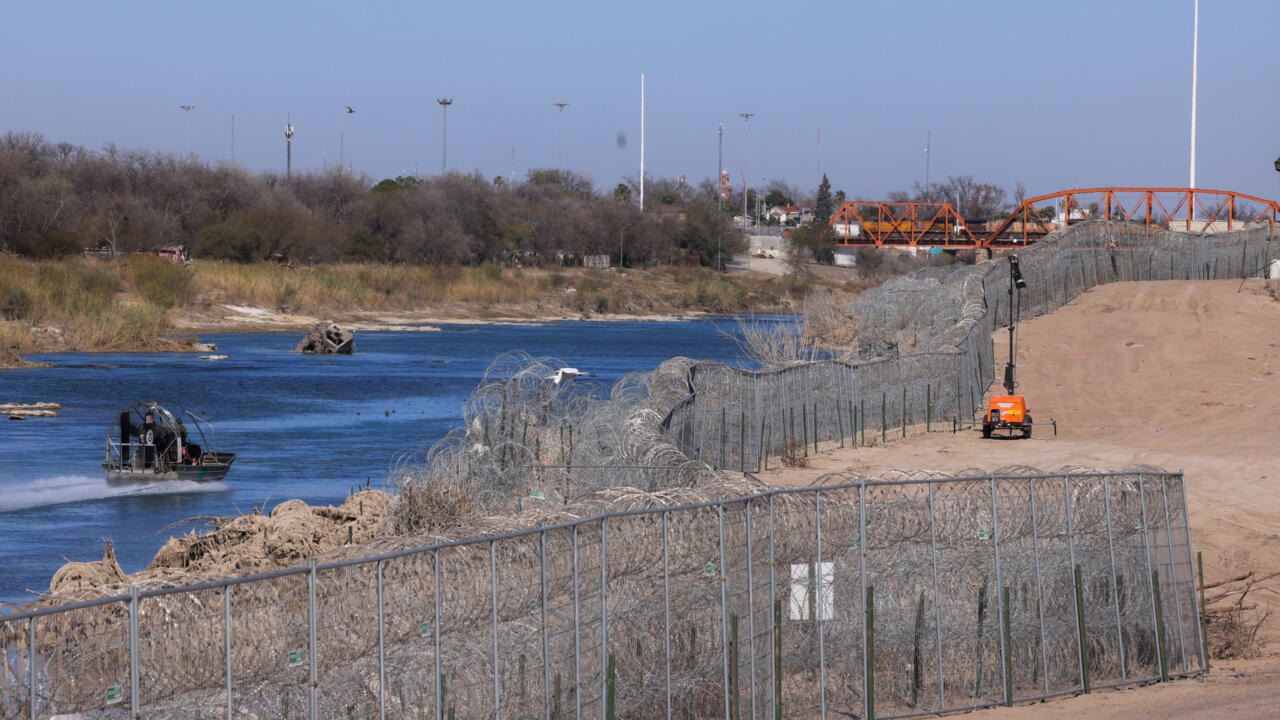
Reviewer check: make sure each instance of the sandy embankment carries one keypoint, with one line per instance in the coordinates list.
(1184, 375)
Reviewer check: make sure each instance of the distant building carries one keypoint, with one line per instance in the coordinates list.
(790, 214)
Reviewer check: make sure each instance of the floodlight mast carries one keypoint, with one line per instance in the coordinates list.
(1015, 281)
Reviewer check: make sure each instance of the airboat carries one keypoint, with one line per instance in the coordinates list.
(161, 443)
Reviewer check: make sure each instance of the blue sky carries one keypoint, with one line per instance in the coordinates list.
(1055, 95)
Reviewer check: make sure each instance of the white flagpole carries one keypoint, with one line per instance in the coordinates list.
(1195, 66)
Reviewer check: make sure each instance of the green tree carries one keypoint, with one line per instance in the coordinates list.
(823, 206)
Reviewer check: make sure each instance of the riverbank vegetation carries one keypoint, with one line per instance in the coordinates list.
(140, 303)
(82, 233)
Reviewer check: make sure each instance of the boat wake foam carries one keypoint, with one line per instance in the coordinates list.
(61, 490)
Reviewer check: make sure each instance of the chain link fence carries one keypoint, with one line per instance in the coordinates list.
(859, 598)
(928, 340)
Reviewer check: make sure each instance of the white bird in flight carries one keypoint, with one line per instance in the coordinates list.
(565, 374)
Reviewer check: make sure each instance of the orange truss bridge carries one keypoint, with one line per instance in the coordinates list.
(913, 224)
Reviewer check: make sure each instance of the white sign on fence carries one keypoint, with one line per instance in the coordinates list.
(815, 578)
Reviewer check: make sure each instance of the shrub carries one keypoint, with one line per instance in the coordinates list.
(15, 303)
(162, 283)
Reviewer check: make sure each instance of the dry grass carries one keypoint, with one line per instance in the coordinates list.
(130, 304)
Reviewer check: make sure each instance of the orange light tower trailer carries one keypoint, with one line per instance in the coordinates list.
(1008, 413)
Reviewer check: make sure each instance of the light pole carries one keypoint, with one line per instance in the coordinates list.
(746, 125)
(719, 195)
(186, 127)
(560, 137)
(444, 132)
(928, 141)
(288, 151)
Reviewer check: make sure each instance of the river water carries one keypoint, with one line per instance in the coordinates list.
(308, 427)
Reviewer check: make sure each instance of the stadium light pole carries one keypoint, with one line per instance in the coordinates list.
(288, 151)
(444, 132)
(719, 195)
(186, 128)
(560, 137)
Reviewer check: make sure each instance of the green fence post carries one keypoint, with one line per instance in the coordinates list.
(777, 660)
(734, 708)
(870, 669)
(902, 410)
(1080, 632)
(982, 616)
(862, 419)
(928, 407)
(555, 699)
(915, 652)
(815, 428)
(1204, 630)
(610, 693)
(804, 428)
(762, 461)
(884, 418)
(1008, 651)
(1160, 648)
(839, 422)
(724, 438)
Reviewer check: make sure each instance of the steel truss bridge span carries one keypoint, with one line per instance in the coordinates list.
(920, 224)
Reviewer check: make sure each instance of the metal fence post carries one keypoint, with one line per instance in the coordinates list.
(493, 618)
(1151, 569)
(1071, 547)
(775, 621)
(666, 606)
(546, 637)
(1035, 549)
(721, 576)
(577, 630)
(869, 709)
(1115, 586)
(604, 602)
(382, 648)
(435, 632)
(31, 666)
(1173, 569)
(937, 606)
(133, 650)
(226, 644)
(751, 612)
(313, 680)
(821, 591)
(1001, 608)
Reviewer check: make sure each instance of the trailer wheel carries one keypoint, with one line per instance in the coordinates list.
(1026, 429)
(986, 430)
